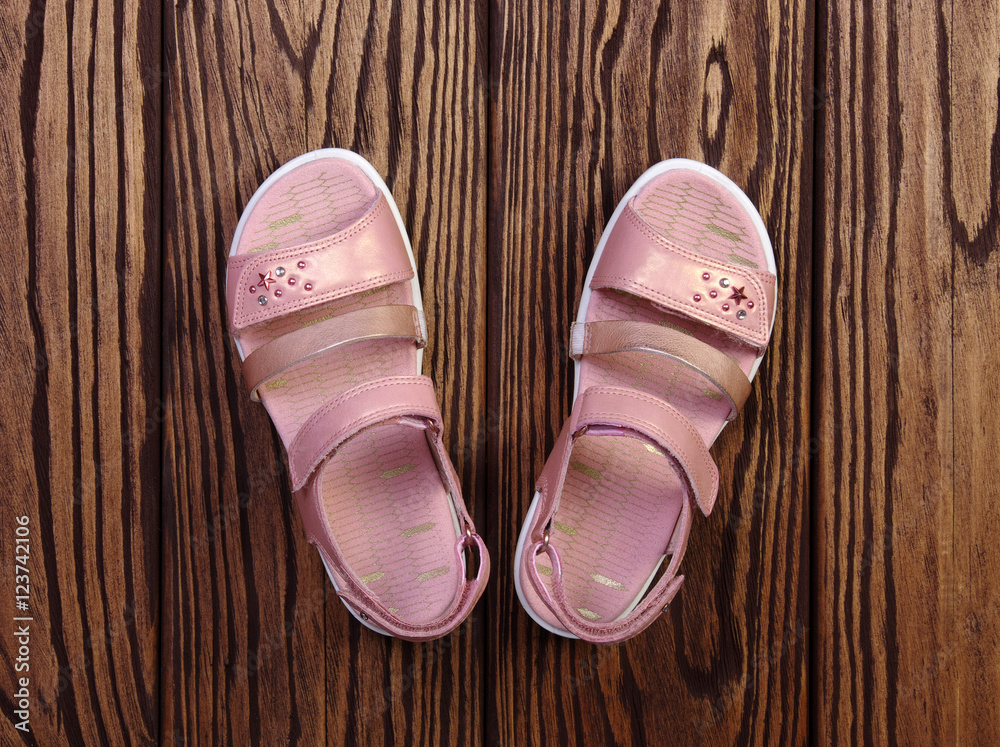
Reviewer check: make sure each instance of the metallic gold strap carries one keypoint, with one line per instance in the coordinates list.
(276, 356)
(604, 338)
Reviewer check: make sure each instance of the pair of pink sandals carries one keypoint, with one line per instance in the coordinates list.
(325, 310)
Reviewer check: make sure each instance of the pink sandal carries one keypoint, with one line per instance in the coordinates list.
(676, 313)
(324, 306)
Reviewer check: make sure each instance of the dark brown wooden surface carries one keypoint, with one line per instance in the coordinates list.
(844, 589)
(82, 404)
(243, 595)
(906, 593)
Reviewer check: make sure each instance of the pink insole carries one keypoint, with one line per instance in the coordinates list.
(388, 511)
(622, 497)
(384, 497)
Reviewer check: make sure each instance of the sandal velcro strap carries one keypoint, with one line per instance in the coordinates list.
(371, 253)
(641, 262)
(619, 336)
(660, 422)
(270, 359)
(365, 405)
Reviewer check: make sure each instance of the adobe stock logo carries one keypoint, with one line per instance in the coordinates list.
(22, 629)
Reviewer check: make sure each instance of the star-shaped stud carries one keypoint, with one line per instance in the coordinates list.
(266, 280)
(738, 295)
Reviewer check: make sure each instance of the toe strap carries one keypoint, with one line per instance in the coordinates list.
(734, 299)
(366, 255)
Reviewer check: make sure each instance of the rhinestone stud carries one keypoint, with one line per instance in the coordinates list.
(725, 307)
(363, 616)
(279, 272)
(262, 300)
(697, 296)
(724, 282)
(741, 314)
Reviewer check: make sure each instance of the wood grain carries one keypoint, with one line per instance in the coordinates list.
(905, 557)
(969, 90)
(257, 648)
(81, 411)
(243, 592)
(584, 100)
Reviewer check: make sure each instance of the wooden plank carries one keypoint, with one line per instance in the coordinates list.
(81, 410)
(240, 581)
(243, 592)
(584, 99)
(970, 145)
(403, 83)
(905, 551)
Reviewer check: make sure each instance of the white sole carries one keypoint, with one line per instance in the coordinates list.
(371, 173)
(651, 173)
